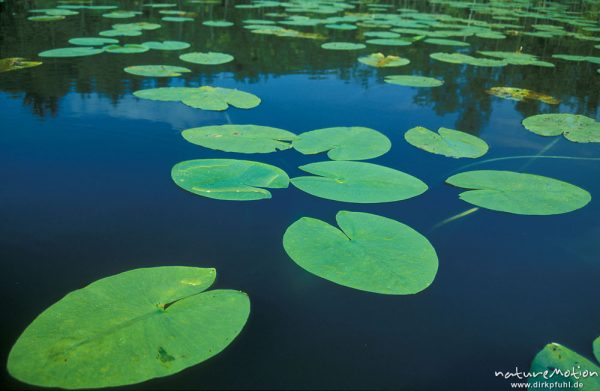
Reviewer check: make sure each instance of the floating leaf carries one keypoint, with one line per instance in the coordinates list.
(446, 42)
(121, 14)
(46, 18)
(92, 41)
(341, 26)
(557, 357)
(519, 193)
(120, 33)
(128, 328)
(156, 70)
(228, 179)
(369, 253)
(447, 142)
(217, 23)
(389, 42)
(177, 19)
(413, 81)
(576, 128)
(129, 48)
(459, 58)
(380, 60)
(166, 45)
(205, 97)
(344, 143)
(568, 57)
(240, 138)
(518, 58)
(16, 63)
(76, 51)
(521, 94)
(342, 46)
(358, 182)
(210, 58)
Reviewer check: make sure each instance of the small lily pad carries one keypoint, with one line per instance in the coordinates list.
(177, 19)
(210, 58)
(130, 48)
(92, 41)
(389, 42)
(576, 128)
(121, 14)
(75, 51)
(344, 143)
(447, 142)
(343, 46)
(358, 182)
(519, 193)
(228, 179)
(166, 45)
(217, 23)
(46, 18)
(129, 328)
(413, 81)
(156, 70)
(368, 252)
(379, 60)
(120, 33)
(240, 138)
(16, 63)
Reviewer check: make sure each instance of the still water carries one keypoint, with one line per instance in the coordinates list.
(86, 193)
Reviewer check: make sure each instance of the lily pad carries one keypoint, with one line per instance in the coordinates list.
(92, 41)
(177, 19)
(76, 51)
(368, 252)
(379, 60)
(156, 70)
(128, 328)
(343, 46)
(210, 58)
(521, 94)
(166, 45)
(413, 81)
(240, 138)
(519, 193)
(130, 48)
(358, 182)
(46, 18)
(343, 143)
(576, 128)
(121, 14)
(217, 23)
(447, 142)
(205, 97)
(120, 33)
(16, 63)
(389, 42)
(228, 179)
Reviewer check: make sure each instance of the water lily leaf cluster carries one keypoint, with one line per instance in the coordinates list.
(205, 97)
(576, 128)
(521, 94)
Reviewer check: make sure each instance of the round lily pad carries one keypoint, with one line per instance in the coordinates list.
(156, 70)
(413, 81)
(558, 357)
(217, 23)
(177, 19)
(76, 51)
(577, 128)
(519, 193)
(240, 138)
(210, 58)
(229, 179)
(341, 26)
(46, 18)
(121, 14)
(205, 97)
(379, 60)
(447, 142)
(343, 46)
(130, 48)
(120, 33)
(368, 252)
(166, 45)
(344, 143)
(389, 42)
(92, 41)
(129, 328)
(358, 182)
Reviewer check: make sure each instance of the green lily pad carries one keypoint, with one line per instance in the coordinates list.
(136, 26)
(229, 179)
(446, 42)
(459, 58)
(120, 33)
(557, 357)
(177, 19)
(358, 182)
(379, 60)
(130, 48)
(16, 63)
(518, 58)
(129, 328)
(166, 45)
(341, 26)
(210, 58)
(92, 41)
(75, 51)
(121, 14)
(240, 138)
(447, 142)
(343, 46)
(381, 34)
(205, 97)
(368, 252)
(46, 18)
(156, 70)
(343, 143)
(576, 128)
(519, 193)
(389, 42)
(413, 81)
(217, 23)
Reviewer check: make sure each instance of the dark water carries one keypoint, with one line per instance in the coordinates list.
(86, 193)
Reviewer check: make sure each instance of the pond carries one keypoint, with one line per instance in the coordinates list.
(432, 285)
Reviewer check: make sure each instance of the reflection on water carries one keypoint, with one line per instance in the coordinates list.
(87, 193)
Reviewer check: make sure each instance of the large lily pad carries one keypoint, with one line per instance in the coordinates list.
(156, 70)
(343, 46)
(210, 58)
(380, 60)
(128, 328)
(413, 81)
(358, 182)
(447, 142)
(205, 97)
(577, 128)
(229, 179)
(75, 51)
(16, 63)
(166, 45)
(369, 253)
(519, 193)
(344, 143)
(240, 138)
